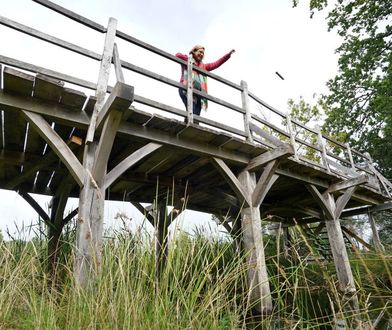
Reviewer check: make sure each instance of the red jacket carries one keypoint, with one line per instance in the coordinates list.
(201, 65)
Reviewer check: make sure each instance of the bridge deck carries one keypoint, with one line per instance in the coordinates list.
(183, 163)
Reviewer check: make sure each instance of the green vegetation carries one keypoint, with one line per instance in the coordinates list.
(359, 99)
(202, 287)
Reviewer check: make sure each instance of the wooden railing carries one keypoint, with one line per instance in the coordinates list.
(310, 145)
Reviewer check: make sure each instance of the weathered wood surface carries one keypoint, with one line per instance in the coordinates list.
(185, 159)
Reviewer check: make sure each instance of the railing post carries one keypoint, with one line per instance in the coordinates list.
(189, 91)
(321, 144)
(246, 107)
(350, 155)
(292, 136)
(376, 239)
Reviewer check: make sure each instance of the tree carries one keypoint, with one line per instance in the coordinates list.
(359, 102)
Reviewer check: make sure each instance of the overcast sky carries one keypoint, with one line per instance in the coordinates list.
(268, 36)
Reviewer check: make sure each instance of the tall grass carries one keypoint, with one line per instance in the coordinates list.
(201, 287)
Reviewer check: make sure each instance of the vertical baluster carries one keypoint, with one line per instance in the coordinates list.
(292, 135)
(321, 144)
(246, 107)
(350, 155)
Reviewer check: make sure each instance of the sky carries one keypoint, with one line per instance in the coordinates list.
(268, 36)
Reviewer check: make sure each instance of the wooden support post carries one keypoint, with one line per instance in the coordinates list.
(161, 221)
(234, 231)
(251, 193)
(376, 239)
(92, 197)
(332, 210)
(57, 222)
(161, 248)
(246, 107)
(258, 285)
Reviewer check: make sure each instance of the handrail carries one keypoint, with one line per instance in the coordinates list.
(294, 130)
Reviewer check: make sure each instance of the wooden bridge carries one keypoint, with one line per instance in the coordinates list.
(55, 140)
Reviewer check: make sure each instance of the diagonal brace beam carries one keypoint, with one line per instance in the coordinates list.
(231, 179)
(322, 201)
(58, 145)
(345, 184)
(267, 179)
(145, 212)
(129, 161)
(342, 201)
(33, 203)
(284, 150)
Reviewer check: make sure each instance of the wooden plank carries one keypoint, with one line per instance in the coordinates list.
(79, 119)
(48, 38)
(190, 167)
(58, 145)
(233, 145)
(161, 123)
(73, 99)
(220, 139)
(196, 133)
(157, 136)
(285, 150)
(14, 131)
(55, 112)
(139, 117)
(18, 158)
(72, 15)
(34, 144)
(31, 168)
(173, 126)
(17, 82)
(345, 184)
(50, 73)
(119, 100)
(47, 88)
(129, 162)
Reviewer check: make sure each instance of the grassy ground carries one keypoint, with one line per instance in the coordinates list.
(202, 287)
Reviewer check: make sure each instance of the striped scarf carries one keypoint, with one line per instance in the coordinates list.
(199, 83)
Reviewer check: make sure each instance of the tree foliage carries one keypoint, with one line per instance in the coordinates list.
(359, 102)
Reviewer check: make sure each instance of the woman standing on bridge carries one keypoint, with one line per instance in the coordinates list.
(199, 80)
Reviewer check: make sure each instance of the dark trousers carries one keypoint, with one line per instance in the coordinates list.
(196, 102)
